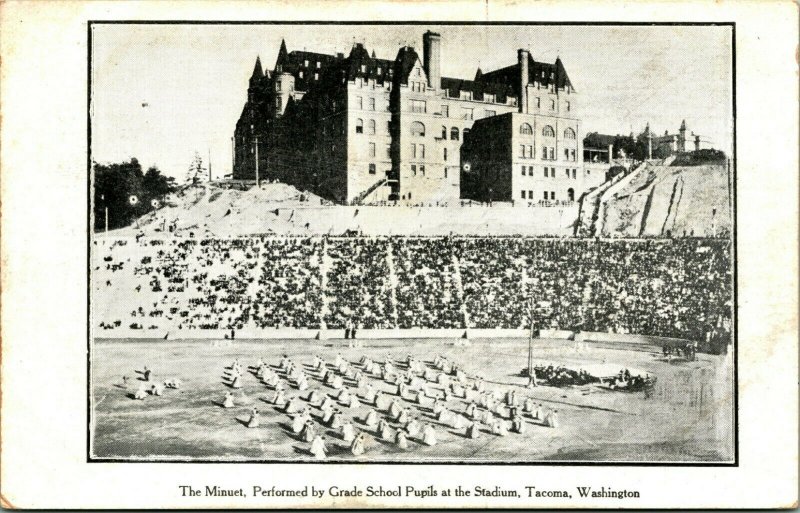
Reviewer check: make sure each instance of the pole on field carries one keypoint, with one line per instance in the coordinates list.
(106, 209)
(258, 183)
(531, 371)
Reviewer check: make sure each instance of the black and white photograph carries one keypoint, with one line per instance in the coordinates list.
(412, 243)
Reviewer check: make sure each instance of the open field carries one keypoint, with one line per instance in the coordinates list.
(687, 419)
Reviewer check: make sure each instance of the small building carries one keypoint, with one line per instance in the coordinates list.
(525, 157)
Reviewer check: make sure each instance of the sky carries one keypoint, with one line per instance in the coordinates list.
(160, 93)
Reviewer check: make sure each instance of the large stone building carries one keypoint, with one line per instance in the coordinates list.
(661, 146)
(357, 128)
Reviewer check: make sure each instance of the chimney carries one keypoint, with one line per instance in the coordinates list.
(610, 153)
(432, 58)
(522, 58)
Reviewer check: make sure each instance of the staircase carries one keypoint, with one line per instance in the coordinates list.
(358, 200)
(460, 290)
(392, 283)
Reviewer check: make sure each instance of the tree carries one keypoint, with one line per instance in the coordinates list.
(115, 184)
(197, 173)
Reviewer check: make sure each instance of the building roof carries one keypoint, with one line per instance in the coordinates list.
(454, 86)
(539, 72)
(594, 140)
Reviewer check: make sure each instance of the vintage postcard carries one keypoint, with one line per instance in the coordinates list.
(495, 261)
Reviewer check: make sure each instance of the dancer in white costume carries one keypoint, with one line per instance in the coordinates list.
(253, 422)
(371, 419)
(228, 401)
(401, 440)
(314, 397)
(318, 447)
(348, 432)
(413, 427)
(537, 412)
(279, 398)
(473, 431)
(140, 393)
(309, 431)
(358, 447)
(518, 424)
(429, 435)
(298, 422)
(156, 389)
(354, 403)
(499, 427)
(385, 431)
(551, 420)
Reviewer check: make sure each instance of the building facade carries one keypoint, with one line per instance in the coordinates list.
(661, 146)
(358, 129)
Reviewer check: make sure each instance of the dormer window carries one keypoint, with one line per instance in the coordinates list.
(363, 68)
(301, 74)
(317, 64)
(305, 63)
(380, 71)
(316, 76)
(488, 98)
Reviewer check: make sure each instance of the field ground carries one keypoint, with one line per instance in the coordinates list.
(688, 419)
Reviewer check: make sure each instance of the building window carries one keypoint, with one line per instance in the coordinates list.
(545, 173)
(568, 106)
(372, 169)
(522, 151)
(574, 174)
(445, 111)
(489, 113)
(467, 113)
(523, 194)
(301, 74)
(413, 150)
(571, 194)
(545, 194)
(454, 133)
(389, 151)
(279, 103)
(488, 98)
(380, 71)
(445, 172)
(418, 106)
(524, 169)
(371, 149)
(371, 125)
(359, 102)
(372, 104)
(567, 171)
(417, 129)
(552, 105)
(317, 64)
(530, 151)
(548, 131)
(572, 154)
(444, 133)
(569, 133)
(566, 154)
(422, 170)
(422, 151)
(445, 157)
(414, 169)
(305, 63)
(316, 76)
(538, 103)
(552, 153)
(359, 126)
(552, 195)
(278, 85)
(466, 95)
(525, 129)
(363, 68)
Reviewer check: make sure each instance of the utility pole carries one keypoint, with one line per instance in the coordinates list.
(105, 207)
(258, 183)
(531, 371)
(209, 165)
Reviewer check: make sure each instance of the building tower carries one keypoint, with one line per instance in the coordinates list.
(432, 58)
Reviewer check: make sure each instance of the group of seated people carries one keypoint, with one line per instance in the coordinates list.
(677, 288)
(559, 376)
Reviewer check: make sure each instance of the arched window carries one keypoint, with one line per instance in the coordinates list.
(569, 133)
(359, 126)
(371, 126)
(417, 129)
(444, 132)
(454, 133)
(552, 105)
(548, 131)
(525, 129)
(571, 194)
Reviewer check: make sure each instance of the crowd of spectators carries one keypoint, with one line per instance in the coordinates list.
(672, 288)
(359, 283)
